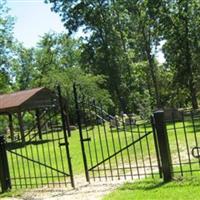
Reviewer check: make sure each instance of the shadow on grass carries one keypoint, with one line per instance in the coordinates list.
(157, 183)
(146, 185)
(17, 145)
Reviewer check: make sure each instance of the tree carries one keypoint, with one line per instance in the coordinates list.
(103, 51)
(56, 61)
(55, 51)
(23, 67)
(126, 33)
(180, 23)
(6, 38)
(144, 38)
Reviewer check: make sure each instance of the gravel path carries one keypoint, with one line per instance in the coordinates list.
(83, 191)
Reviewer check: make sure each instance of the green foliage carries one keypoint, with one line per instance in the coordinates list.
(121, 35)
(54, 52)
(23, 66)
(57, 62)
(4, 82)
(115, 60)
(6, 26)
(182, 44)
(103, 51)
(90, 84)
(139, 99)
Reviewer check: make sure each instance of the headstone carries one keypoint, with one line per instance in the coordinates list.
(114, 123)
(172, 114)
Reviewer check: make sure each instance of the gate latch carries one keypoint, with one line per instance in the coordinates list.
(86, 139)
(196, 152)
(63, 144)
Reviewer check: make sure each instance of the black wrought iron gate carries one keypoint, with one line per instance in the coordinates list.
(114, 147)
(43, 159)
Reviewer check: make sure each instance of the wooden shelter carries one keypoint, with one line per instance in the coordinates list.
(28, 100)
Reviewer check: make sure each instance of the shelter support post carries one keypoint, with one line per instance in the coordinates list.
(11, 127)
(37, 113)
(21, 127)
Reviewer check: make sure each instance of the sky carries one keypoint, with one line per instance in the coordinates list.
(33, 19)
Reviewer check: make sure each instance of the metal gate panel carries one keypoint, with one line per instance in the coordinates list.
(114, 147)
(42, 158)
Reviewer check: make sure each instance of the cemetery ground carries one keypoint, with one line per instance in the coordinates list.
(152, 188)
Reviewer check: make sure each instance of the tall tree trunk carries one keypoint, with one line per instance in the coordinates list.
(149, 88)
(123, 43)
(188, 56)
(154, 80)
(151, 68)
(193, 94)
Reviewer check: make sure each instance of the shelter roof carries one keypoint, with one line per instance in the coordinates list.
(25, 99)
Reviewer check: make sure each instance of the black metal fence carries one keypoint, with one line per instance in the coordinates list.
(125, 146)
(113, 147)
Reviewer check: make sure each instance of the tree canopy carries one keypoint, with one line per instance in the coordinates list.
(116, 59)
(6, 39)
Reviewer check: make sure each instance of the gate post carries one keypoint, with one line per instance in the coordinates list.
(163, 143)
(60, 99)
(4, 169)
(81, 133)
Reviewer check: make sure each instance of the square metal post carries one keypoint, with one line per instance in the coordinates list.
(4, 169)
(65, 111)
(163, 143)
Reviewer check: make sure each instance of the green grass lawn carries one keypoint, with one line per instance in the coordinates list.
(155, 189)
(51, 154)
